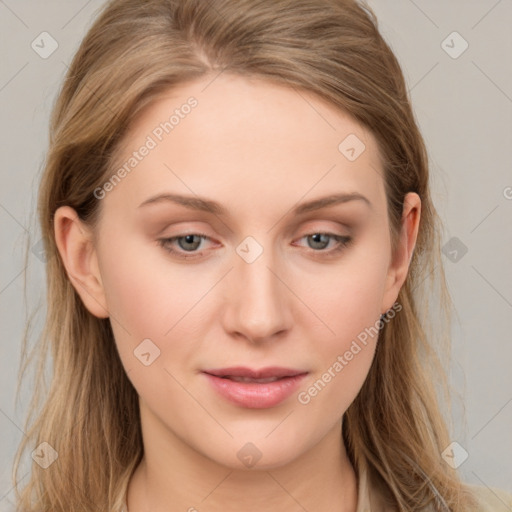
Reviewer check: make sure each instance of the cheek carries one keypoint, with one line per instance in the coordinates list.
(349, 298)
(135, 295)
(148, 306)
(349, 304)
(344, 357)
(148, 300)
(145, 293)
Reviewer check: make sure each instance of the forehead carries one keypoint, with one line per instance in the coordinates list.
(244, 139)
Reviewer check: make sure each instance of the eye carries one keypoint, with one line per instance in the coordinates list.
(188, 243)
(320, 241)
(191, 242)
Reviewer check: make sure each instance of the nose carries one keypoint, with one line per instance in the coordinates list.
(258, 306)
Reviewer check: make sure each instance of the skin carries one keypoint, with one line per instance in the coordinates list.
(259, 149)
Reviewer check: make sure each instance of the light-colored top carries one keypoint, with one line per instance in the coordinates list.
(492, 499)
(372, 499)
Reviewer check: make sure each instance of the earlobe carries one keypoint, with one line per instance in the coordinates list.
(401, 260)
(76, 248)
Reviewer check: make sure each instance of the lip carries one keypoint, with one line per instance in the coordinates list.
(254, 395)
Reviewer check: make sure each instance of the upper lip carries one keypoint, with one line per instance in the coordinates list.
(262, 373)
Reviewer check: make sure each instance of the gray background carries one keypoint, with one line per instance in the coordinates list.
(464, 108)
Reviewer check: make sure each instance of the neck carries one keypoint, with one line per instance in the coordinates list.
(173, 477)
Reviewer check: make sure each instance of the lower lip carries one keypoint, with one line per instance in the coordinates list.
(253, 395)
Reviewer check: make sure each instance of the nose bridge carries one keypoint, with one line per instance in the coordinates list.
(257, 302)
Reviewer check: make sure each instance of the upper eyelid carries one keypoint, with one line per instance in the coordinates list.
(339, 225)
(345, 226)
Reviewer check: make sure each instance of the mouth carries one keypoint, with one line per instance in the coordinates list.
(249, 379)
(268, 374)
(255, 389)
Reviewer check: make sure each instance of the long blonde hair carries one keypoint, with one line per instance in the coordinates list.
(137, 50)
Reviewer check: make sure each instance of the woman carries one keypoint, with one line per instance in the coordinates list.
(239, 232)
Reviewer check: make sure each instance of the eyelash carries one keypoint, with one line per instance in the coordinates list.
(342, 241)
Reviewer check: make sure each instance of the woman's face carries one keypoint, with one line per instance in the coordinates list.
(245, 267)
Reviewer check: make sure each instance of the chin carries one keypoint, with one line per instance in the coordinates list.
(260, 454)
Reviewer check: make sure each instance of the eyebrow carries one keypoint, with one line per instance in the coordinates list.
(207, 205)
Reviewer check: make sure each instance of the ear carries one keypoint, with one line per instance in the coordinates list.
(76, 247)
(399, 266)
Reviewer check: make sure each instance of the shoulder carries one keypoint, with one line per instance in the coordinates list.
(491, 499)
